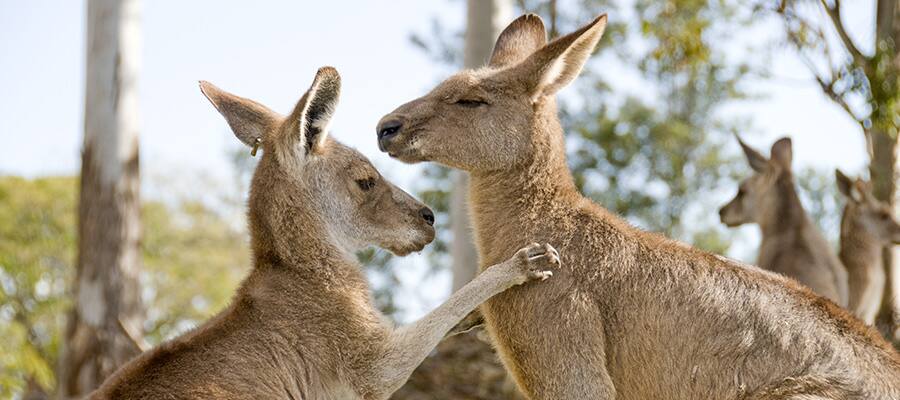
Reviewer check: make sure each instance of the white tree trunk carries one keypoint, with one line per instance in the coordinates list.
(105, 324)
(485, 19)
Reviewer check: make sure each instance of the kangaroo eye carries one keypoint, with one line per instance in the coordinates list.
(470, 103)
(366, 184)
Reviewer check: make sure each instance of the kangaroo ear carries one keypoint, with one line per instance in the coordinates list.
(863, 190)
(312, 115)
(757, 161)
(846, 186)
(782, 153)
(248, 119)
(519, 40)
(555, 65)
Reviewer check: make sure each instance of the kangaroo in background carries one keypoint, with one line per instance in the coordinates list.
(302, 325)
(791, 244)
(867, 226)
(628, 314)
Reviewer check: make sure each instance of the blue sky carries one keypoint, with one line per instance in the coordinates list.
(270, 51)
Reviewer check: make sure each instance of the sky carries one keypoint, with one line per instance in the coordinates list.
(270, 52)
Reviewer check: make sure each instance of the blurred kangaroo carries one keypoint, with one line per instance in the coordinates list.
(867, 226)
(628, 314)
(302, 325)
(791, 243)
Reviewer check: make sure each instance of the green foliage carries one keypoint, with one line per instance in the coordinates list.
(193, 260)
(37, 246)
(866, 86)
(655, 158)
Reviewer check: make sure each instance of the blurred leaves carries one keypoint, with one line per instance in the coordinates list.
(193, 260)
(37, 247)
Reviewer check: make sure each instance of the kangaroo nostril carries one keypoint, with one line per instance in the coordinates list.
(427, 215)
(388, 129)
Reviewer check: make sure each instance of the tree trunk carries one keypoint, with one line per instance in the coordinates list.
(884, 135)
(464, 366)
(105, 323)
(485, 19)
(884, 185)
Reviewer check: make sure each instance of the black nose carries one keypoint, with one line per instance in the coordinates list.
(387, 130)
(427, 215)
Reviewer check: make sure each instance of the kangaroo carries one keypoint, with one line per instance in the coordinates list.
(867, 226)
(302, 325)
(628, 314)
(791, 243)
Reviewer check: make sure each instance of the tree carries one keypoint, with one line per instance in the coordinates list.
(485, 19)
(105, 325)
(864, 83)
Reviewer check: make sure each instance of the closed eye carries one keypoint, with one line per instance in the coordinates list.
(470, 103)
(366, 184)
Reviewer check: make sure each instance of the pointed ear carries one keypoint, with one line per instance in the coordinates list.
(782, 153)
(555, 65)
(845, 185)
(519, 40)
(312, 115)
(248, 119)
(863, 190)
(757, 161)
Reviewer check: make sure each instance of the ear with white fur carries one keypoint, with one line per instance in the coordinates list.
(249, 120)
(557, 64)
(313, 113)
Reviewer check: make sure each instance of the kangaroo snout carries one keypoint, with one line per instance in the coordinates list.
(427, 215)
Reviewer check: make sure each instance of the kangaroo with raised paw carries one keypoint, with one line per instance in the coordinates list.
(629, 314)
(302, 325)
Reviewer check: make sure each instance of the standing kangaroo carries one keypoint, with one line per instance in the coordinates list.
(302, 325)
(791, 243)
(629, 314)
(867, 226)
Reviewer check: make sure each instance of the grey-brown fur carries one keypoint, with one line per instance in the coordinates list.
(791, 243)
(629, 314)
(867, 226)
(302, 325)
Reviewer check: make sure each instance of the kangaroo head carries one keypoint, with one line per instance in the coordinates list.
(309, 182)
(864, 214)
(761, 196)
(493, 117)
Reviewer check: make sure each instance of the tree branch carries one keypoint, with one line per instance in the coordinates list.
(834, 13)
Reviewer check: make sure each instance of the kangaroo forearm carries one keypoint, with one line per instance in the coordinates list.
(462, 302)
(410, 344)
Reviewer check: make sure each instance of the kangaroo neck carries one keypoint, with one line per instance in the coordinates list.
(512, 203)
(788, 216)
(859, 249)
